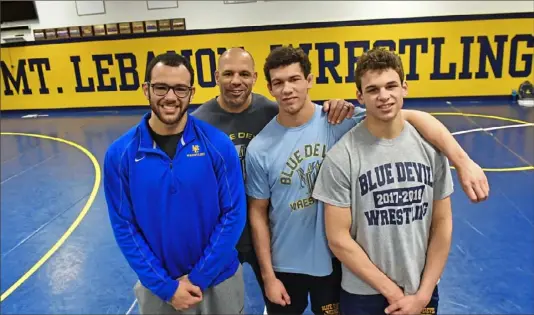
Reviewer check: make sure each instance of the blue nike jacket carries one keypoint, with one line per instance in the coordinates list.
(176, 217)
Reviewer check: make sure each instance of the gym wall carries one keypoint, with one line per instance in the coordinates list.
(486, 51)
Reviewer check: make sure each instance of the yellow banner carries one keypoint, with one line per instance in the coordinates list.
(441, 59)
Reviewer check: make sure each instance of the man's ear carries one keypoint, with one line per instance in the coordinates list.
(145, 90)
(217, 77)
(270, 88)
(359, 96)
(310, 80)
(192, 94)
(404, 89)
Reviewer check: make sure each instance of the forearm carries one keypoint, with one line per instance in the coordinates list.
(130, 240)
(354, 257)
(219, 252)
(261, 238)
(437, 254)
(437, 134)
(142, 260)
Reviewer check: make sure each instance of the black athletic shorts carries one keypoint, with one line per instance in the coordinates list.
(323, 292)
(354, 304)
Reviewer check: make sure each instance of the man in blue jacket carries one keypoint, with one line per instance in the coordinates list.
(176, 199)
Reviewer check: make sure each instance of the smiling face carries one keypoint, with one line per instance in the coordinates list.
(288, 74)
(169, 92)
(290, 87)
(236, 78)
(380, 83)
(382, 93)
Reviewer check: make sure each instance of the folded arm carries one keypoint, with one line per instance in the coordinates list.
(232, 202)
(472, 177)
(127, 235)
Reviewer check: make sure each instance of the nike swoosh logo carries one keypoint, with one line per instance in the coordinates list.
(137, 160)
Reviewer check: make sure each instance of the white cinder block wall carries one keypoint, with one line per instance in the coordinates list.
(217, 14)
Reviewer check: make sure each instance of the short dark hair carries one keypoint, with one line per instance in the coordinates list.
(377, 59)
(169, 59)
(284, 56)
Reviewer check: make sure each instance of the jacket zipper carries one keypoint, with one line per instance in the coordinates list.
(173, 183)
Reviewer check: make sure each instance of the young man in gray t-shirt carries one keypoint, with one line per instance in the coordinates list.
(387, 201)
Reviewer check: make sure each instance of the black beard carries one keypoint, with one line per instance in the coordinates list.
(156, 108)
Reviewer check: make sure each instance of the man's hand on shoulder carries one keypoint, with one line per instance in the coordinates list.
(187, 294)
(338, 110)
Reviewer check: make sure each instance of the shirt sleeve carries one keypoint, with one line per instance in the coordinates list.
(220, 251)
(359, 114)
(339, 130)
(132, 243)
(257, 179)
(333, 184)
(443, 184)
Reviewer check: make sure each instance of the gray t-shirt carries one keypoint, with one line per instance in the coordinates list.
(390, 186)
(241, 128)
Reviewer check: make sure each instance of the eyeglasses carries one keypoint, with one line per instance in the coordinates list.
(161, 89)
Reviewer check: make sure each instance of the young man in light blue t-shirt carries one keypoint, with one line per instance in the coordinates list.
(282, 162)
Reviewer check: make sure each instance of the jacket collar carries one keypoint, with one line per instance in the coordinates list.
(148, 144)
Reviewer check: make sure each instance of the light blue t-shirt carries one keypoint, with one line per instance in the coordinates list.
(282, 164)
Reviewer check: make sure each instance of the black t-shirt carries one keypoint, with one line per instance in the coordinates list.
(167, 143)
(241, 128)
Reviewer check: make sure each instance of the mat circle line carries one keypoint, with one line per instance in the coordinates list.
(506, 169)
(76, 222)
